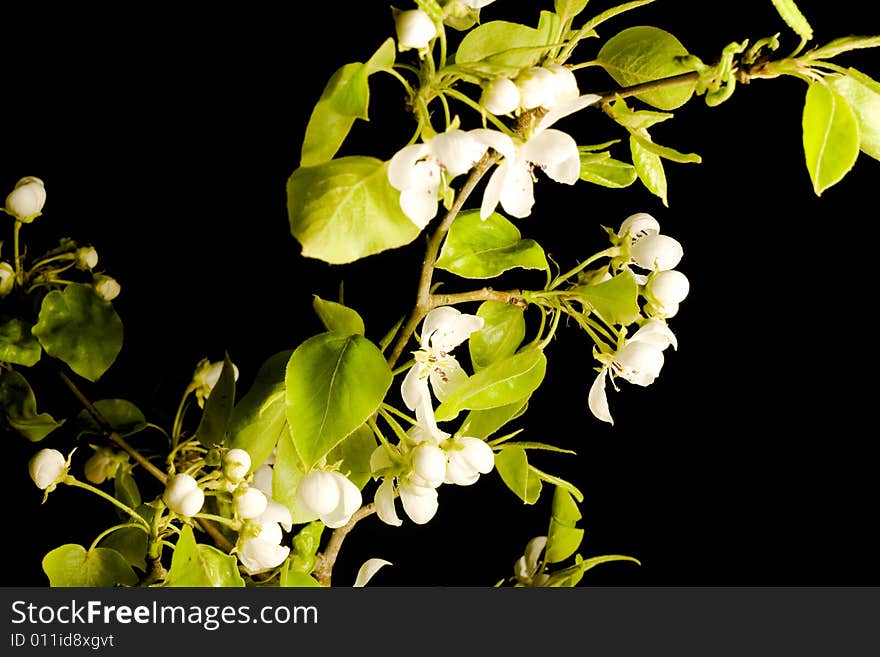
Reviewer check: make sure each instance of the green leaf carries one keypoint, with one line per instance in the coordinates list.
(335, 382)
(507, 44)
(568, 9)
(842, 45)
(559, 482)
(513, 466)
(19, 408)
(482, 424)
(503, 382)
(504, 328)
(259, 419)
(77, 326)
(72, 565)
(194, 564)
(607, 172)
(644, 140)
(862, 94)
(527, 445)
(355, 452)
(345, 209)
(305, 547)
(125, 489)
(645, 53)
(831, 136)
(123, 417)
(131, 543)
(649, 168)
(17, 345)
(570, 576)
(345, 98)
(286, 475)
(337, 317)
(484, 249)
(616, 300)
(218, 408)
(793, 17)
(294, 579)
(636, 120)
(563, 537)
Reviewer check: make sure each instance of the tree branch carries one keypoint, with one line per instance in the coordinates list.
(323, 571)
(510, 297)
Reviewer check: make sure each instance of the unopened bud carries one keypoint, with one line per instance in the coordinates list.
(236, 464)
(101, 465)
(657, 252)
(669, 288)
(500, 96)
(415, 29)
(537, 87)
(106, 287)
(250, 503)
(7, 278)
(46, 467)
(183, 495)
(86, 258)
(26, 201)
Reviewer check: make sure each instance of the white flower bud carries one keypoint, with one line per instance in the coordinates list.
(86, 258)
(250, 502)
(236, 464)
(415, 29)
(46, 467)
(7, 278)
(656, 333)
(639, 362)
(258, 547)
(263, 478)
(27, 199)
(537, 87)
(471, 458)
(500, 96)
(101, 465)
(318, 492)
(476, 4)
(349, 502)
(638, 225)
(565, 86)
(429, 465)
(657, 252)
(183, 495)
(206, 376)
(419, 503)
(277, 514)
(663, 312)
(106, 287)
(669, 288)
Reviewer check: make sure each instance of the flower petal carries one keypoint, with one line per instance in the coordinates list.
(598, 400)
(385, 504)
(495, 140)
(517, 192)
(401, 168)
(419, 205)
(563, 110)
(419, 503)
(549, 147)
(477, 454)
(457, 151)
(366, 571)
(492, 193)
(349, 502)
(448, 379)
(276, 513)
(258, 555)
(446, 327)
(413, 388)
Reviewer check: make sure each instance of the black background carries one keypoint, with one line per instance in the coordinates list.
(165, 137)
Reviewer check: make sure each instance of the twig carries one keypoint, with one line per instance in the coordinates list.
(323, 571)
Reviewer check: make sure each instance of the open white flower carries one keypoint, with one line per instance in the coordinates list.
(639, 361)
(443, 329)
(416, 171)
(46, 468)
(183, 495)
(330, 496)
(553, 151)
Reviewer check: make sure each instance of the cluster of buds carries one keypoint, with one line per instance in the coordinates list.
(548, 86)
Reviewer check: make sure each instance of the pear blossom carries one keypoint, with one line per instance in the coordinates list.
(330, 496)
(26, 200)
(537, 87)
(183, 495)
(46, 468)
(236, 464)
(415, 29)
(500, 96)
(86, 258)
(7, 278)
(639, 361)
(416, 171)
(668, 288)
(553, 151)
(101, 465)
(656, 252)
(638, 225)
(249, 502)
(107, 287)
(259, 546)
(443, 329)
(527, 568)
(205, 378)
(468, 458)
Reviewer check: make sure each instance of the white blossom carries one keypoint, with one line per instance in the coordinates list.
(236, 464)
(330, 496)
(205, 378)
(500, 96)
(419, 502)
(107, 287)
(476, 4)
(416, 171)
(429, 465)
(656, 252)
(468, 458)
(415, 29)
(26, 200)
(537, 87)
(258, 547)
(638, 225)
(46, 468)
(553, 151)
(7, 278)
(668, 288)
(250, 502)
(86, 258)
(183, 495)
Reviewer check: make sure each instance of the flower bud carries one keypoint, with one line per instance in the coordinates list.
(318, 492)
(663, 312)
(101, 465)
(250, 502)
(106, 287)
(236, 464)
(468, 458)
(27, 199)
(638, 225)
(429, 465)
(46, 467)
(420, 503)
(657, 252)
(258, 547)
(537, 87)
(415, 29)
(565, 86)
(183, 495)
(7, 278)
(639, 362)
(206, 376)
(349, 502)
(669, 288)
(86, 258)
(500, 96)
